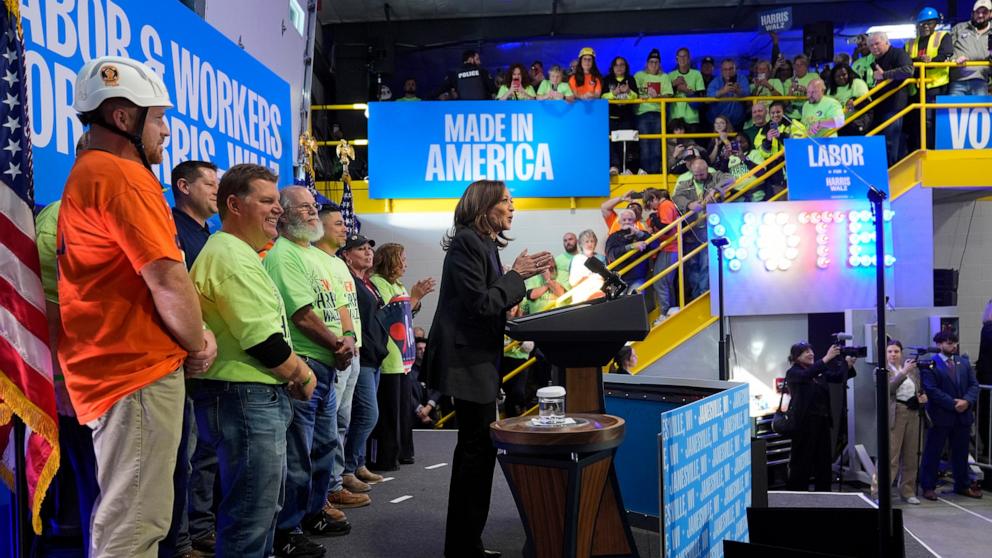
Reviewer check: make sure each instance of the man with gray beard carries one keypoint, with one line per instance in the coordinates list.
(322, 332)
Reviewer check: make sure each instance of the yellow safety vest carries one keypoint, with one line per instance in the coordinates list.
(935, 76)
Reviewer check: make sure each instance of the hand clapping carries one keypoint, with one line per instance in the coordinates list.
(529, 265)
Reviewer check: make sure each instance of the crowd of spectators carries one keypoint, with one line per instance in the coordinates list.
(832, 91)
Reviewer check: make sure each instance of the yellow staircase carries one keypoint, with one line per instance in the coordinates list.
(925, 168)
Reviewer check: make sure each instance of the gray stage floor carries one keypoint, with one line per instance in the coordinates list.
(406, 518)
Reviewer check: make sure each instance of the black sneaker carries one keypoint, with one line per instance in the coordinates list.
(321, 525)
(297, 545)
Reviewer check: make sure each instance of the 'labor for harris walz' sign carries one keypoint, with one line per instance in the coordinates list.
(229, 108)
(435, 149)
(838, 168)
(779, 19)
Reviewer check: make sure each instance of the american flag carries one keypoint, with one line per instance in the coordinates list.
(348, 209)
(26, 388)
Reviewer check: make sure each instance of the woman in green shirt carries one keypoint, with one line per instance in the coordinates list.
(392, 439)
(517, 90)
(846, 88)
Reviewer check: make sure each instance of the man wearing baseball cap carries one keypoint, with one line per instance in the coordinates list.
(131, 318)
(652, 83)
(971, 43)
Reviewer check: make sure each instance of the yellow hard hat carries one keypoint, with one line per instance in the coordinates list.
(587, 51)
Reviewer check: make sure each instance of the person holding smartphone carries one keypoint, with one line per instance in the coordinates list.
(517, 90)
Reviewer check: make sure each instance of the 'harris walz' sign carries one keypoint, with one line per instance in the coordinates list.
(539, 148)
(778, 19)
(835, 168)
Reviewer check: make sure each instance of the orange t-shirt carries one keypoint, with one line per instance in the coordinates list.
(613, 224)
(114, 220)
(591, 85)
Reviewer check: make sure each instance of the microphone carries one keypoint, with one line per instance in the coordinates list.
(613, 285)
(842, 336)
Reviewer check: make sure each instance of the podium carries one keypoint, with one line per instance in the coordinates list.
(581, 339)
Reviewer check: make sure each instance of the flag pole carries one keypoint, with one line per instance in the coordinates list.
(22, 520)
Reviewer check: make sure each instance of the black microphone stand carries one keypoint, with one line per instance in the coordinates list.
(876, 197)
(720, 243)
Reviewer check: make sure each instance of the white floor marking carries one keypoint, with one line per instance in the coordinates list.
(438, 466)
(400, 499)
(923, 544)
(387, 479)
(966, 510)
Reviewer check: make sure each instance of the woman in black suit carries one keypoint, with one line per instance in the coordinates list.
(810, 399)
(465, 345)
(983, 371)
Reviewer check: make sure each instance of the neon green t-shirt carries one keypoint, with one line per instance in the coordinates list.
(45, 227)
(408, 99)
(516, 352)
(393, 363)
(694, 80)
(826, 109)
(563, 262)
(341, 275)
(652, 86)
(240, 304)
(504, 89)
(562, 88)
(864, 68)
(796, 107)
(304, 278)
(854, 90)
(543, 302)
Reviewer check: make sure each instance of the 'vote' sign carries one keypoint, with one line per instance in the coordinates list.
(964, 128)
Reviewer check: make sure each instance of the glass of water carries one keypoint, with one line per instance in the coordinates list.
(551, 405)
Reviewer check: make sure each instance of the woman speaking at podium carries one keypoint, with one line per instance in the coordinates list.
(465, 345)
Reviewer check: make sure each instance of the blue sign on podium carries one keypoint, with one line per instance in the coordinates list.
(837, 168)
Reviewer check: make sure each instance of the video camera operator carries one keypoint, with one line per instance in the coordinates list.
(810, 399)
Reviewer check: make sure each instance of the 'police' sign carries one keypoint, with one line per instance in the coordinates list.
(964, 128)
(835, 168)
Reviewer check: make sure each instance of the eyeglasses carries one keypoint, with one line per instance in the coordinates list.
(316, 207)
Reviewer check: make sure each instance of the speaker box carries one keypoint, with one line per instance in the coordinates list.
(818, 42)
(945, 287)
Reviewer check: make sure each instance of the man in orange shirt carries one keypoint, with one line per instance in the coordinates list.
(130, 315)
(663, 212)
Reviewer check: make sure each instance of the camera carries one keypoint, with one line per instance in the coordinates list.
(923, 359)
(849, 351)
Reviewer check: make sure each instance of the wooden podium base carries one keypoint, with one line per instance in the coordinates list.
(565, 486)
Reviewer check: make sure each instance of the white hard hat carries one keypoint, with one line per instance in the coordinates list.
(108, 77)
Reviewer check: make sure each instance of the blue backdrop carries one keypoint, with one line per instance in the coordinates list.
(540, 148)
(835, 168)
(229, 108)
(964, 128)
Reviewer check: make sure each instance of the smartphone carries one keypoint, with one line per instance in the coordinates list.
(516, 82)
(732, 79)
(761, 77)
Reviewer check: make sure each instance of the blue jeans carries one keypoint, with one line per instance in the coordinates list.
(650, 123)
(310, 444)
(968, 87)
(203, 492)
(246, 424)
(664, 287)
(893, 137)
(364, 416)
(697, 274)
(344, 388)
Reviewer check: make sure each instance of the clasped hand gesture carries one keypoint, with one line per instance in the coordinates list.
(529, 265)
(197, 363)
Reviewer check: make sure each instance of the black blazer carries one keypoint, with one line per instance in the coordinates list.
(466, 337)
(983, 367)
(942, 390)
(374, 334)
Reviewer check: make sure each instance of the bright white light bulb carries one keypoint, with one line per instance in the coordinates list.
(713, 219)
(734, 265)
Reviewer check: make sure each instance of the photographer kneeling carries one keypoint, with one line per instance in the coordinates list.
(810, 402)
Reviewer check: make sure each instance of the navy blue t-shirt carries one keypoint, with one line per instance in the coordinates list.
(192, 235)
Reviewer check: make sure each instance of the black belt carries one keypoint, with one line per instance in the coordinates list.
(901, 402)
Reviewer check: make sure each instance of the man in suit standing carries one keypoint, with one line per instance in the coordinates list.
(466, 342)
(952, 391)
